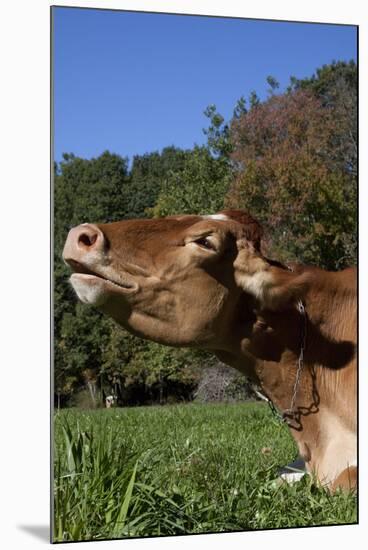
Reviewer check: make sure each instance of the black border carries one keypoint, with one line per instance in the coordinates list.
(52, 411)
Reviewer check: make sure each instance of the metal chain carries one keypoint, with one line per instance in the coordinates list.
(303, 340)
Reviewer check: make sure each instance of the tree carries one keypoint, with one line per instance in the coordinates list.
(286, 179)
(218, 137)
(148, 174)
(336, 87)
(139, 371)
(199, 188)
(273, 84)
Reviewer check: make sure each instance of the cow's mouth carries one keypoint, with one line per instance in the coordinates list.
(85, 274)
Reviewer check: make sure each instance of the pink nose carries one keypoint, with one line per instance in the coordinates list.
(83, 241)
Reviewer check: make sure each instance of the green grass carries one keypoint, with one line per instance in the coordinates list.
(180, 469)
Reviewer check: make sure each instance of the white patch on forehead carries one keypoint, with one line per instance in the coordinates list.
(215, 217)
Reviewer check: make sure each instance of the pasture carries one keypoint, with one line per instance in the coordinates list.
(180, 469)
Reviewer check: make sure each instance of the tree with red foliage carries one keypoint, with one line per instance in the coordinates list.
(291, 178)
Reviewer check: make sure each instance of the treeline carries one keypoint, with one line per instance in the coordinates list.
(290, 160)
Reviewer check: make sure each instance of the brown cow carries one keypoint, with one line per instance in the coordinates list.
(203, 282)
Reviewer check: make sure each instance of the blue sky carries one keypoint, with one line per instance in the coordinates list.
(134, 83)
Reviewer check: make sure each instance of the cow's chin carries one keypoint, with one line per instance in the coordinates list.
(96, 291)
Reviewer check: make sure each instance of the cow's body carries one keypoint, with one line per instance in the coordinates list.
(203, 282)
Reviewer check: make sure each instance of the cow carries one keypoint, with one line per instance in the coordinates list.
(203, 282)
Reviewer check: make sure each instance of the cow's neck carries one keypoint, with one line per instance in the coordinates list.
(269, 349)
(329, 352)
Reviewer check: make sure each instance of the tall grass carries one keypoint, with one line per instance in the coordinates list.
(180, 469)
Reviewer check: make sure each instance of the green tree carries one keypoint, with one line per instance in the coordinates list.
(218, 136)
(273, 84)
(199, 188)
(148, 174)
(139, 371)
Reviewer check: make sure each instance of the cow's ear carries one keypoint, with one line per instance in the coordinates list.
(272, 286)
(251, 229)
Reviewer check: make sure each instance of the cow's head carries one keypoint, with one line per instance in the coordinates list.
(181, 280)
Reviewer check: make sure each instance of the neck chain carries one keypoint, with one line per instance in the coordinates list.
(289, 414)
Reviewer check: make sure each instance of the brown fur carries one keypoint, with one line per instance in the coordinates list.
(204, 283)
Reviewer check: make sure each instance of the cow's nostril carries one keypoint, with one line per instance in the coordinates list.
(83, 242)
(87, 240)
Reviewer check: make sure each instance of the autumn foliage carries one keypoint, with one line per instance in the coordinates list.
(290, 178)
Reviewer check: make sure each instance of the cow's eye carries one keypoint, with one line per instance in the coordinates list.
(205, 243)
